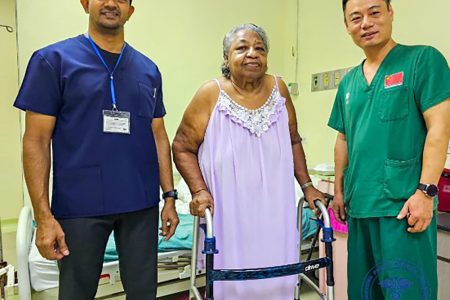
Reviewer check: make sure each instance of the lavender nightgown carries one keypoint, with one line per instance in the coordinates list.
(246, 161)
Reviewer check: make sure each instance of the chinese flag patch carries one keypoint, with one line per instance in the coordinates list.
(393, 80)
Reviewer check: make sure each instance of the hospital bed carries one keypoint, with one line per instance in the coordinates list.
(39, 275)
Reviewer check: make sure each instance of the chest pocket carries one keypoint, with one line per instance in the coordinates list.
(147, 100)
(394, 104)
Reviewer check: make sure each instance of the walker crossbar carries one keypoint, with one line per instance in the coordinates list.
(269, 272)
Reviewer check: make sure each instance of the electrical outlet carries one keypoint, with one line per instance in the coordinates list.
(327, 80)
(337, 78)
(315, 82)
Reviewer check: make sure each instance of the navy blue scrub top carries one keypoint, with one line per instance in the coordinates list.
(96, 173)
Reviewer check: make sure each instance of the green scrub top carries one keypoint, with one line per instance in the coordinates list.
(385, 128)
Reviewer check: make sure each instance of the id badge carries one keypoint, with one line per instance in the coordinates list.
(116, 121)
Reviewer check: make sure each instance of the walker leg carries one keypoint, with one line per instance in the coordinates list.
(299, 227)
(193, 291)
(209, 283)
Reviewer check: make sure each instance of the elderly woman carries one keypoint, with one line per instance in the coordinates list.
(238, 149)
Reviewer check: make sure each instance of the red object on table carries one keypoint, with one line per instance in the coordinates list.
(444, 191)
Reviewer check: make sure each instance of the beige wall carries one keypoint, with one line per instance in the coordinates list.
(10, 149)
(183, 37)
(325, 45)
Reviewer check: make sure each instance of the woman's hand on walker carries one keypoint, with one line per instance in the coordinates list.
(200, 201)
(312, 194)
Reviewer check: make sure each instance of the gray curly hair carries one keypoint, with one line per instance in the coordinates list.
(229, 37)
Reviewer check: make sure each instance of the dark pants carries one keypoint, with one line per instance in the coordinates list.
(136, 236)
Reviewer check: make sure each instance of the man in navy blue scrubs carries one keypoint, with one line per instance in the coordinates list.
(98, 103)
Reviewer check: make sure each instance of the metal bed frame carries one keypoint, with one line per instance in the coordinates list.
(299, 268)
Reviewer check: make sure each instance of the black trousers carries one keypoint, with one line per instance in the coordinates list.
(136, 236)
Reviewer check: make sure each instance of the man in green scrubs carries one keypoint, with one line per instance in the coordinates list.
(392, 114)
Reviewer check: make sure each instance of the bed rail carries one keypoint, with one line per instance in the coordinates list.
(23, 241)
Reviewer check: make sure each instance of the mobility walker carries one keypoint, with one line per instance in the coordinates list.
(268, 272)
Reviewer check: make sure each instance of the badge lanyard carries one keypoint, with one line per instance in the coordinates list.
(111, 73)
(114, 121)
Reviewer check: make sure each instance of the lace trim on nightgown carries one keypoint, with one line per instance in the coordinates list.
(257, 121)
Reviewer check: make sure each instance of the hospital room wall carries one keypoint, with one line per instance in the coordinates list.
(325, 46)
(184, 38)
(10, 149)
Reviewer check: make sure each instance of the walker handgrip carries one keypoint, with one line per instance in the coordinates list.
(323, 210)
(209, 223)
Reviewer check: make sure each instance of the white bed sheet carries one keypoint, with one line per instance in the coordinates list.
(44, 273)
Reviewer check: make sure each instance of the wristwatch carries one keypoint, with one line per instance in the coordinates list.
(430, 190)
(170, 194)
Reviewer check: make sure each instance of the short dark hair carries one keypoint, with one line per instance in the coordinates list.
(344, 4)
